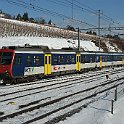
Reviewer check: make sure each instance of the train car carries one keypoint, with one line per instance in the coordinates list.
(22, 63)
(6, 59)
(118, 59)
(63, 61)
(88, 60)
(110, 59)
(91, 60)
(27, 63)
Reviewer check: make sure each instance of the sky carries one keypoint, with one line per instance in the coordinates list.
(79, 13)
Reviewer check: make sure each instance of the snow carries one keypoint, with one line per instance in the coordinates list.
(117, 117)
(99, 113)
(96, 113)
(55, 43)
(21, 23)
(111, 48)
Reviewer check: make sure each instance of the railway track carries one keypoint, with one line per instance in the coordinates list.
(64, 83)
(87, 74)
(48, 81)
(55, 105)
(49, 105)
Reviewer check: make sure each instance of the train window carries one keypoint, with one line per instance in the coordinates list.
(49, 59)
(59, 60)
(62, 59)
(28, 61)
(87, 59)
(91, 60)
(6, 58)
(114, 58)
(73, 59)
(37, 60)
(55, 60)
(119, 58)
(82, 59)
(105, 58)
(97, 59)
(68, 59)
(108, 58)
(17, 60)
(77, 59)
(45, 59)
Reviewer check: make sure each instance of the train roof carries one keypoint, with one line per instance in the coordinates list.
(69, 50)
(39, 48)
(46, 49)
(28, 47)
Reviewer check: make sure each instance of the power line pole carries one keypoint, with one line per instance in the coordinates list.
(72, 8)
(99, 27)
(78, 38)
(109, 29)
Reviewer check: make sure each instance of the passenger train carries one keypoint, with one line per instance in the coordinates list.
(27, 63)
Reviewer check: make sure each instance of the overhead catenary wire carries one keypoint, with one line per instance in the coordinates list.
(77, 5)
(90, 10)
(68, 3)
(85, 8)
(37, 8)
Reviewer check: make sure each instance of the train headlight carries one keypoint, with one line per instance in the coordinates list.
(6, 73)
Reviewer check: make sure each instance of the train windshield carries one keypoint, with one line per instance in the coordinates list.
(5, 58)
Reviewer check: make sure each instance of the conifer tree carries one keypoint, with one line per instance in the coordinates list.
(25, 16)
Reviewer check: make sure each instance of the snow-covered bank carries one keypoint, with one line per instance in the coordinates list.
(117, 117)
(56, 43)
(99, 113)
(15, 32)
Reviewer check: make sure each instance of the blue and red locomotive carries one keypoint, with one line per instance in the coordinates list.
(26, 63)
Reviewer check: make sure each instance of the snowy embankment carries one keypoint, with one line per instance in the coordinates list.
(56, 43)
(40, 94)
(99, 113)
(16, 32)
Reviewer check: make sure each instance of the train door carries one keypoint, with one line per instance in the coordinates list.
(78, 56)
(100, 61)
(47, 64)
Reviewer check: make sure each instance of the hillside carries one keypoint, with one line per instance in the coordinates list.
(18, 30)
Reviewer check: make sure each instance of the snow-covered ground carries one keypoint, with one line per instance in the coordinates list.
(97, 113)
(55, 43)
(90, 115)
